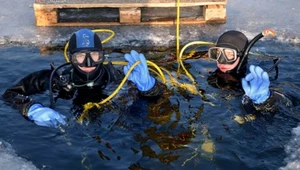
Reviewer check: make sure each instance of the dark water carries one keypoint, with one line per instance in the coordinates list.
(171, 134)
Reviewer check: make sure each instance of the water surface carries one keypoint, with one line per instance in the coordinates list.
(181, 131)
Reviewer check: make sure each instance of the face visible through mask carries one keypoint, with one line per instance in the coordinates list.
(226, 58)
(87, 60)
(227, 67)
(86, 55)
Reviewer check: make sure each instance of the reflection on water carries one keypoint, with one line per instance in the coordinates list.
(180, 131)
(168, 131)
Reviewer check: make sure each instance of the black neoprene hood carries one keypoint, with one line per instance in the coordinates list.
(233, 39)
(84, 39)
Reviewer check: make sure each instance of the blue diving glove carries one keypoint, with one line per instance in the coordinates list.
(140, 74)
(256, 85)
(45, 116)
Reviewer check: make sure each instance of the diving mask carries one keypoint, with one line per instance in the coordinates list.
(223, 55)
(87, 58)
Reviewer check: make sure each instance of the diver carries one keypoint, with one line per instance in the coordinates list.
(85, 80)
(231, 55)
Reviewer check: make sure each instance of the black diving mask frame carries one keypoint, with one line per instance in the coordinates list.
(87, 58)
(223, 55)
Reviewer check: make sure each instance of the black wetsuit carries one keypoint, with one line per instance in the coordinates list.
(38, 82)
(232, 81)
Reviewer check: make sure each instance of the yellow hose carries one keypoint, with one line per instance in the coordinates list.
(158, 70)
(179, 59)
(149, 63)
(119, 87)
(90, 105)
(179, 55)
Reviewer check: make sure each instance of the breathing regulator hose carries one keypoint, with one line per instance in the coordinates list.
(55, 71)
(150, 63)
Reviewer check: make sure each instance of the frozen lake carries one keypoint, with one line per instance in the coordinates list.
(249, 16)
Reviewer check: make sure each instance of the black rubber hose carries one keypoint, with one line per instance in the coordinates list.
(251, 43)
(50, 83)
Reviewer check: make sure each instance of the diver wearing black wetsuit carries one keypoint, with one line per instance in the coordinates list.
(231, 55)
(84, 81)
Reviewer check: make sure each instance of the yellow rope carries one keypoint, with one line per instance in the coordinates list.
(178, 29)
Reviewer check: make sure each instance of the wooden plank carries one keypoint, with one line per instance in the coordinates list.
(130, 15)
(46, 17)
(126, 4)
(48, 2)
(131, 12)
(214, 12)
(161, 23)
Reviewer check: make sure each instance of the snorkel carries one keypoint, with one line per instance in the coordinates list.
(265, 33)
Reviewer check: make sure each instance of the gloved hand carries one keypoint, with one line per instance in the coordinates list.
(45, 116)
(256, 85)
(140, 74)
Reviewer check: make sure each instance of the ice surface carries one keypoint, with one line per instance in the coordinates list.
(292, 149)
(17, 22)
(11, 161)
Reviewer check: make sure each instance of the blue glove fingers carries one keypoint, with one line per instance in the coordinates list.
(48, 123)
(143, 60)
(60, 119)
(143, 63)
(252, 71)
(258, 83)
(140, 74)
(129, 59)
(266, 80)
(38, 112)
(132, 57)
(249, 77)
(135, 55)
(254, 82)
(147, 80)
(263, 78)
(139, 68)
(125, 69)
(51, 118)
(144, 72)
(246, 86)
(44, 116)
(51, 122)
(259, 72)
(264, 92)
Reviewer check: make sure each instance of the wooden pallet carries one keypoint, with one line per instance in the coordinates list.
(127, 12)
